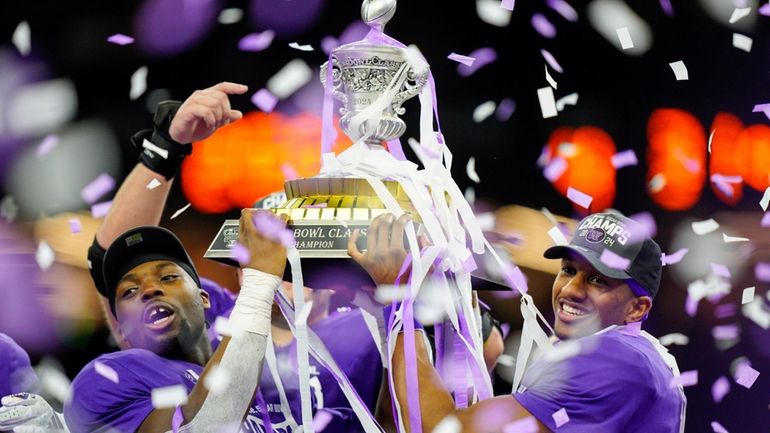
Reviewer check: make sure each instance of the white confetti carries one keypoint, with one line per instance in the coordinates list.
(742, 42)
(680, 70)
(730, 239)
(711, 137)
(44, 256)
(138, 83)
(571, 99)
(748, 295)
(470, 170)
(22, 38)
(217, 380)
(580, 198)
(297, 46)
(674, 338)
(704, 227)
(386, 294)
(765, 199)
(290, 78)
(739, 13)
(557, 236)
(179, 212)
(490, 12)
(154, 183)
(106, 371)
(547, 103)
(625, 38)
(450, 424)
(756, 312)
(230, 16)
(224, 327)
(483, 111)
(8, 209)
(656, 183)
(416, 60)
(169, 396)
(550, 79)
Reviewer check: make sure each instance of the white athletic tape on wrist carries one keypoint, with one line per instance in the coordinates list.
(255, 300)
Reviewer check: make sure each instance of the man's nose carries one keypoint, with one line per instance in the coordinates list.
(575, 288)
(150, 290)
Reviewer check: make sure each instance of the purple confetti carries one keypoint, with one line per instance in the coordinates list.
(691, 306)
(646, 223)
(289, 173)
(667, 8)
(765, 10)
(613, 260)
(177, 419)
(625, 158)
(543, 26)
(718, 427)
(74, 225)
(505, 109)
(459, 58)
(483, 56)
(100, 210)
(724, 311)
(720, 270)
(725, 332)
(103, 184)
(508, 4)
(564, 9)
(525, 425)
(506, 328)
(316, 206)
(560, 417)
(328, 43)
(720, 388)
(272, 227)
(766, 218)
(48, 143)
(256, 41)
(687, 378)
(321, 420)
(120, 39)
(264, 100)
(580, 198)
(514, 278)
(552, 61)
(555, 169)
(106, 371)
(674, 258)
(240, 253)
(764, 108)
(745, 375)
(762, 272)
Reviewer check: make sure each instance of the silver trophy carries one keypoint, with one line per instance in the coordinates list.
(372, 79)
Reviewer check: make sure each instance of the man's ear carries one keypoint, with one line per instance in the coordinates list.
(205, 299)
(639, 308)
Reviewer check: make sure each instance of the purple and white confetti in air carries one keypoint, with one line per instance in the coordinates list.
(483, 56)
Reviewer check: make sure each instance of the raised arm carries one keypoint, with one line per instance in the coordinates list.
(196, 119)
(240, 356)
(382, 260)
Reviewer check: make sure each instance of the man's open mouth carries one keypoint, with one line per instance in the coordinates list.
(158, 316)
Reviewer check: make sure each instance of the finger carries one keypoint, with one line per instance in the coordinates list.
(213, 102)
(353, 250)
(231, 88)
(235, 116)
(383, 231)
(397, 232)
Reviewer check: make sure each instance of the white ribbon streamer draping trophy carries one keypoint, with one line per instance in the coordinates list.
(372, 78)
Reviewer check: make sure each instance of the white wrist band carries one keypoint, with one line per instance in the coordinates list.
(255, 301)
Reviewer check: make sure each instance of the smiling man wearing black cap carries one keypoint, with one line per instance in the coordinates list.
(604, 374)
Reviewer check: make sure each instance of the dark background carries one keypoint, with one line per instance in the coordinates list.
(617, 92)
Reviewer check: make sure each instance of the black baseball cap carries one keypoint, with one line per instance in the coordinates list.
(621, 236)
(141, 245)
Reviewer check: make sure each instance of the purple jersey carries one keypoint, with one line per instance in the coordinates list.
(97, 404)
(16, 374)
(616, 383)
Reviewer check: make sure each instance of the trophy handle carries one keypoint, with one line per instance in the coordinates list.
(336, 81)
(412, 86)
